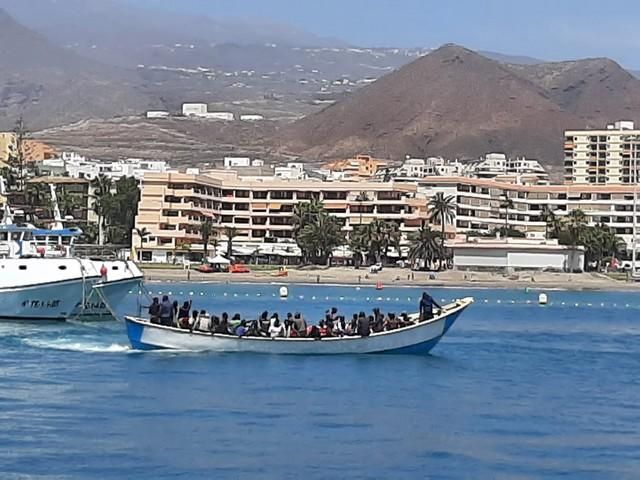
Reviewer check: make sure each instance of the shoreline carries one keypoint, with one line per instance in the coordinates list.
(401, 278)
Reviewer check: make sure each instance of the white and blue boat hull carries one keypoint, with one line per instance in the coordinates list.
(108, 297)
(419, 338)
(49, 302)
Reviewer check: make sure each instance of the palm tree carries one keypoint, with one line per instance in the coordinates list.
(549, 218)
(206, 229)
(442, 210)
(305, 213)
(68, 202)
(361, 198)
(506, 203)
(425, 246)
(230, 233)
(321, 237)
(143, 234)
(102, 202)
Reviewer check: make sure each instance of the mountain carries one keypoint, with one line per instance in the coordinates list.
(598, 89)
(48, 84)
(452, 102)
(458, 103)
(123, 33)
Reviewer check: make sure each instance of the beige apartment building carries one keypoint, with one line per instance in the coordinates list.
(173, 206)
(478, 204)
(607, 156)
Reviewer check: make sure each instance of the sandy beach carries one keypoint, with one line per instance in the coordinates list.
(403, 277)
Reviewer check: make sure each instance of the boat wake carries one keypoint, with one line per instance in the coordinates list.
(75, 346)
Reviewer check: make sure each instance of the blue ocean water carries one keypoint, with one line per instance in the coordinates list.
(515, 390)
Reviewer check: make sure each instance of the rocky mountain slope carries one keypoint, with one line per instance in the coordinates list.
(457, 103)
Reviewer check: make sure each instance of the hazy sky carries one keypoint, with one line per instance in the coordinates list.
(548, 29)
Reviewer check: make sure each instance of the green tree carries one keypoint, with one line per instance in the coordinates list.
(305, 213)
(19, 151)
(425, 247)
(102, 203)
(206, 230)
(549, 219)
(361, 198)
(142, 234)
(321, 237)
(68, 202)
(230, 233)
(507, 204)
(442, 210)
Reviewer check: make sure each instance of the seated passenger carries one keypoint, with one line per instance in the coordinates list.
(377, 324)
(223, 326)
(363, 325)
(276, 330)
(324, 329)
(184, 312)
(184, 322)
(242, 330)
(204, 322)
(301, 325)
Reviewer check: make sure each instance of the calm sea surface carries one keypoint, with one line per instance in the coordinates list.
(514, 391)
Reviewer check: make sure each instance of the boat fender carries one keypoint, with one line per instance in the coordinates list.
(103, 271)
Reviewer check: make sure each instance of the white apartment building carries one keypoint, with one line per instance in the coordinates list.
(497, 164)
(293, 171)
(237, 162)
(478, 204)
(76, 166)
(194, 109)
(157, 114)
(420, 167)
(606, 156)
(251, 117)
(492, 166)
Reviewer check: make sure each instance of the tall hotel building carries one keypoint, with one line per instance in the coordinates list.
(601, 157)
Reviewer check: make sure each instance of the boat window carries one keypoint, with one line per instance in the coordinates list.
(3, 237)
(115, 267)
(62, 267)
(22, 267)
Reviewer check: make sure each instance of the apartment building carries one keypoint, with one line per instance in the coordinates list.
(76, 166)
(606, 156)
(174, 205)
(478, 204)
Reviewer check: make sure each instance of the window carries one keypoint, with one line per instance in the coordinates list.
(22, 267)
(62, 267)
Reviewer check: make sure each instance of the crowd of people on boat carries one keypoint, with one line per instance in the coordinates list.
(293, 325)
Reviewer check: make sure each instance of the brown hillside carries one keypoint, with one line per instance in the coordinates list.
(452, 102)
(598, 90)
(48, 84)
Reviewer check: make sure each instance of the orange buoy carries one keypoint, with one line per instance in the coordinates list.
(379, 286)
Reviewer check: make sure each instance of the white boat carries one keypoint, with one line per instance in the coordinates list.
(119, 279)
(418, 338)
(43, 288)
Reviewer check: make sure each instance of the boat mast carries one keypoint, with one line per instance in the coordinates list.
(57, 216)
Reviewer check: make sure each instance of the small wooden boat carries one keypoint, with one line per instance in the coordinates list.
(419, 338)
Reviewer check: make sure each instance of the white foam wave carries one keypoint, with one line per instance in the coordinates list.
(75, 346)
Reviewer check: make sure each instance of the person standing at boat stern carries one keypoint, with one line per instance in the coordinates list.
(426, 306)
